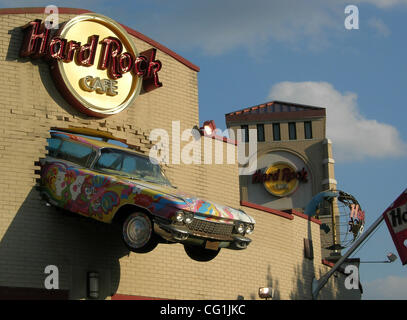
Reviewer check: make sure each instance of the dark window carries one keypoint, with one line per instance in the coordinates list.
(260, 132)
(245, 133)
(308, 249)
(308, 129)
(130, 165)
(292, 131)
(110, 160)
(75, 152)
(53, 146)
(276, 132)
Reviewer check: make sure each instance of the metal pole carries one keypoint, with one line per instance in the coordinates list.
(333, 211)
(317, 285)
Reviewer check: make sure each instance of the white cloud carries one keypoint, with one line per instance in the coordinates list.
(354, 137)
(379, 26)
(389, 288)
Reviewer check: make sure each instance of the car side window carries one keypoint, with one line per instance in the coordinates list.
(129, 164)
(53, 146)
(109, 160)
(75, 152)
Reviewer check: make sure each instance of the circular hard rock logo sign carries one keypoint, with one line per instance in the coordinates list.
(283, 179)
(280, 179)
(95, 63)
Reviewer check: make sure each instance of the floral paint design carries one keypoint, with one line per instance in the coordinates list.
(97, 196)
(100, 195)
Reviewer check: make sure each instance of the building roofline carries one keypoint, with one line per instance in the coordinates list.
(247, 114)
(277, 116)
(269, 103)
(65, 10)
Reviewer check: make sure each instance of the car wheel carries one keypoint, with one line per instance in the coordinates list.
(138, 233)
(200, 254)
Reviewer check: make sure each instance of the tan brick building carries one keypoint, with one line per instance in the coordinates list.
(33, 236)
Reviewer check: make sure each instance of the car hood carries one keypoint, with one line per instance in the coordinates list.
(202, 207)
(209, 208)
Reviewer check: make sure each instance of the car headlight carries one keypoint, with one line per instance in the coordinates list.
(189, 216)
(240, 228)
(249, 228)
(179, 216)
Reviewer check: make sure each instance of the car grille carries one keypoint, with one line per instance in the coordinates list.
(211, 228)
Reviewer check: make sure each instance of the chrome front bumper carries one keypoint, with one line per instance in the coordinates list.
(181, 233)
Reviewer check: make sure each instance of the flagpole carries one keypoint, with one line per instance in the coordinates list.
(317, 285)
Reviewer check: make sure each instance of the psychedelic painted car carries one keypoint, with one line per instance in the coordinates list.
(114, 184)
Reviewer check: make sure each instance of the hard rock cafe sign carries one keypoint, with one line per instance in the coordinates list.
(280, 179)
(94, 62)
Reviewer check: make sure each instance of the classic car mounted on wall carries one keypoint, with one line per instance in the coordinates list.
(114, 184)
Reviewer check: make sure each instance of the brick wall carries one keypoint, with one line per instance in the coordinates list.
(33, 235)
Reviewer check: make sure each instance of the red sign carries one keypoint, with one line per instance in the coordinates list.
(396, 220)
(285, 174)
(356, 213)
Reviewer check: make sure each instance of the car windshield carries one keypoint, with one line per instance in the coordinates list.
(130, 165)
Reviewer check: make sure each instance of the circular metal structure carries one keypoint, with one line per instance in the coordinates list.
(351, 218)
(342, 217)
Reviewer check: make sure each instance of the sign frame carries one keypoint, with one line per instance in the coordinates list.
(394, 214)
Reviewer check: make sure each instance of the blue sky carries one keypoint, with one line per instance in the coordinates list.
(251, 52)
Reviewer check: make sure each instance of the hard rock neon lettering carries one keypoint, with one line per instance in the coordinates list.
(285, 174)
(39, 43)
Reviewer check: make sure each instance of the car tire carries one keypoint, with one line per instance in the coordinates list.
(138, 232)
(200, 254)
